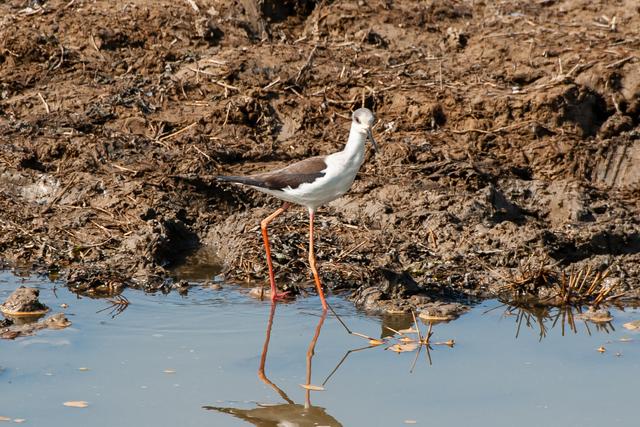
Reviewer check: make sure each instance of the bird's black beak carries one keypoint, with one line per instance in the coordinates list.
(373, 141)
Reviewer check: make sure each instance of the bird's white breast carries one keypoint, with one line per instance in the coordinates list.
(339, 176)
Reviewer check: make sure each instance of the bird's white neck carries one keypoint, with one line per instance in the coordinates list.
(354, 150)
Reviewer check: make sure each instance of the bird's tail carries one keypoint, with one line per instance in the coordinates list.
(246, 180)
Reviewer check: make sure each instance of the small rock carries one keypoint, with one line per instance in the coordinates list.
(55, 321)
(615, 125)
(367, 298)
(182, 287)
(596, 315)
(396, 309)
(398, 285)
(23, 301)
(442, 311)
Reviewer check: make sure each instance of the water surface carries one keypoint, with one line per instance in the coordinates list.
(193, 360)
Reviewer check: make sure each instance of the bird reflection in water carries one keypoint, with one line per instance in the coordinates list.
(289, 413)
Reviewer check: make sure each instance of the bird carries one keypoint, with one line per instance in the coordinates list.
(312, 183)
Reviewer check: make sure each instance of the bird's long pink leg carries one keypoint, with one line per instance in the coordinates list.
(267, 248)
(312, 262)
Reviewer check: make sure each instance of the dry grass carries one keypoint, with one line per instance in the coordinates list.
(544, 281)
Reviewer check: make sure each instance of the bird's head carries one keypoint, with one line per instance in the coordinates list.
(363, 120)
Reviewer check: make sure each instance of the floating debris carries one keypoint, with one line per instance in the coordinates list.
(312, 387)
(632, 326)
(596, 315)
(401, 348)
(76, 404)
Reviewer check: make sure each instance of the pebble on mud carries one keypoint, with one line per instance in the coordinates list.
(23, 302)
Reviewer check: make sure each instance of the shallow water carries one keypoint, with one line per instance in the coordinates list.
(174, 360)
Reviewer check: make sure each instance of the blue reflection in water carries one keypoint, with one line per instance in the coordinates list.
(217, 357)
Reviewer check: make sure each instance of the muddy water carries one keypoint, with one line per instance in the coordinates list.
(194, 360)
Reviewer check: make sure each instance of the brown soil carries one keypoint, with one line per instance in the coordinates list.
(509, 130)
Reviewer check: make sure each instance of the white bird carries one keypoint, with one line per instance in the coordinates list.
(312, 183)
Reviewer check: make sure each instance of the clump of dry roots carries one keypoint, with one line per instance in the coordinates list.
(548, 285)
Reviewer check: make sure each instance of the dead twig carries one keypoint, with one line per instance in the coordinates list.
(349, 331)
(621, 61)
(193, 5)
(122, 168)
(272, 84)
(307, 65)
(46, 106)
(493, 131)
(95, 46)
(178, 132)
(118, 305)
(218, 82)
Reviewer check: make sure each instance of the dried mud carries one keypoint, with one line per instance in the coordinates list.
(509, 134)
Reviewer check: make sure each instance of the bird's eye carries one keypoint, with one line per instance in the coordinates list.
(357, 119)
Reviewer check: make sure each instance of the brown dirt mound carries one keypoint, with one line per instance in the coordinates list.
(509, 131)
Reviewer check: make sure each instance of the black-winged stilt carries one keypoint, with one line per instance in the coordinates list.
(312, 183)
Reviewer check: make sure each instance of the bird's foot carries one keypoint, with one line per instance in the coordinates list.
(262, 293)
(279, 296)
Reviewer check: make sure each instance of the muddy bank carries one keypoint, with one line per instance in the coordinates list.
(509, 134)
